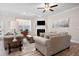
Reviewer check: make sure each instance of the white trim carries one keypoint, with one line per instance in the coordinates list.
(74, 41)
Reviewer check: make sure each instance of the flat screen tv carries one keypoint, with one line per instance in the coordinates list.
(40, 22)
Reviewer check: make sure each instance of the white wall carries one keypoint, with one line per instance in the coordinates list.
(6, 26)
(73, 16)
(5, 23)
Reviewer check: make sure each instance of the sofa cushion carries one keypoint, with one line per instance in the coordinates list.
(42, 34)
(8, 33)
(55, 34)
(46, 36)
(62, 33)
(9, 36)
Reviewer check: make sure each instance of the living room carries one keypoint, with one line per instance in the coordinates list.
(32, 20)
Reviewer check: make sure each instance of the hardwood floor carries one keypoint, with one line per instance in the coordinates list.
(72, 51)
(29, 50)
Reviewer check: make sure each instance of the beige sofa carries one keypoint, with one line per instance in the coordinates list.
(53, 45)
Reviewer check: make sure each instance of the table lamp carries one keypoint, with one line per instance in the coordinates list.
(13, 27)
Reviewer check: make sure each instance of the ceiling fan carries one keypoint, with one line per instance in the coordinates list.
(47, 7)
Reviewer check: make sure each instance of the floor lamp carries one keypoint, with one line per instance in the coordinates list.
(13, 27)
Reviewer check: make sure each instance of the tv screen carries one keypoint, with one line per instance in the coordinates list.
(40, 22)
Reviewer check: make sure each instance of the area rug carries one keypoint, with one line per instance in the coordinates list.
(28, 49)
(33, 53)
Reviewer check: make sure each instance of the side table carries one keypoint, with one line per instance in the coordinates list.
(30, 38)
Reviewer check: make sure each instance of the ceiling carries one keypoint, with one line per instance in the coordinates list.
(29, 10)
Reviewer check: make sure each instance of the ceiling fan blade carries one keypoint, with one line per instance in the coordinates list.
(40, 8)
(46, 4)
(53, 6)
(51, 10)
(44, 11)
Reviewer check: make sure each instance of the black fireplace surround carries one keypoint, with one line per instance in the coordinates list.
(40, 31)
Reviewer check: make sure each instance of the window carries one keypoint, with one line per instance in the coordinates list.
(24, 24)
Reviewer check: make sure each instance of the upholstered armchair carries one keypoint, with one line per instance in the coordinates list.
(52, 45)
(9, 39)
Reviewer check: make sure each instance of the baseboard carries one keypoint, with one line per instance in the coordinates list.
(74, 41)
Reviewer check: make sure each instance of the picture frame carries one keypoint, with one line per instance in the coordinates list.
(61, 23)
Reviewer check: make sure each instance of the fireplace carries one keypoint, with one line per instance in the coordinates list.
(40, 31)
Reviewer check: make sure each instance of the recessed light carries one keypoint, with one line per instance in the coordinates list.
(24, 13)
